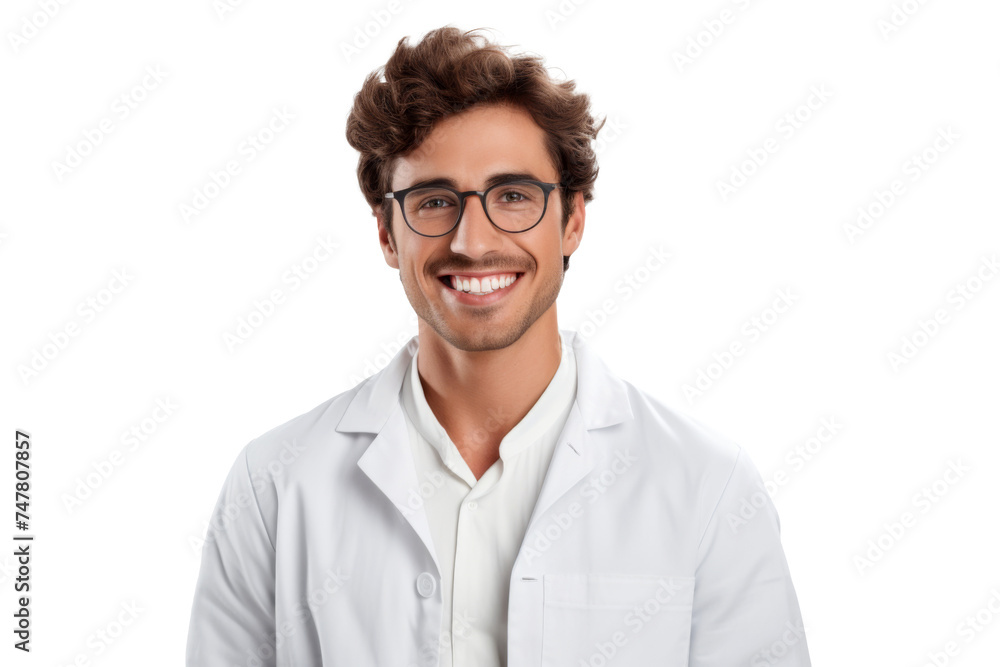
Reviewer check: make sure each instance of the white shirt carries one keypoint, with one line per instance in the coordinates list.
(478, 525)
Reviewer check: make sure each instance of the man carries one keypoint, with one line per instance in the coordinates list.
(495, 495)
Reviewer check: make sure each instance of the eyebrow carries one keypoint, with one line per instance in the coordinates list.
(490, 182)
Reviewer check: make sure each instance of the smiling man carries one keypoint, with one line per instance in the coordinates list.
(495, 495)
(484, 290)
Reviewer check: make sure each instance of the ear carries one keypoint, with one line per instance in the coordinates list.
(573, 234)
(387, 243)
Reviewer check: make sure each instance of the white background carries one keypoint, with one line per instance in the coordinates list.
(675, 131)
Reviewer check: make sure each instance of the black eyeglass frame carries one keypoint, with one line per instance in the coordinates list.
(400, 196)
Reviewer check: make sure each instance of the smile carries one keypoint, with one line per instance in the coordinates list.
(480, 285)
(479, 290)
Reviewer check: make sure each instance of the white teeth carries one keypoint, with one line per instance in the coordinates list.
(485, 285)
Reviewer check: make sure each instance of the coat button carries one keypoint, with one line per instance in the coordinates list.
(426, 584)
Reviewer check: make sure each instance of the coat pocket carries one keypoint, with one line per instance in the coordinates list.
(623, 619)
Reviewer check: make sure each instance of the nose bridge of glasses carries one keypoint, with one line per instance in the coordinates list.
(477, 195)
(463, 212)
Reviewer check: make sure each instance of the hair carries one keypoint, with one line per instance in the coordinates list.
(450, 71)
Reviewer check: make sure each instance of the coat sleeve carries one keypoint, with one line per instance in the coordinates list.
(745, 608)
(232, 618)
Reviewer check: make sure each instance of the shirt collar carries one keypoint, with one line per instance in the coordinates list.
(554, 404)
(603, 397)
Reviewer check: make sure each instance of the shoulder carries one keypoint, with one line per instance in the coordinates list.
(299, 451)
(700, 461)
(291, 444)
(686, 439)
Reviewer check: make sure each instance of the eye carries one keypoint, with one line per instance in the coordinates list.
(518, 196)
(434, 201)
(439, 202)
(516, 193)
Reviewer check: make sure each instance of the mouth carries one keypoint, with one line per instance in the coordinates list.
(480, 290)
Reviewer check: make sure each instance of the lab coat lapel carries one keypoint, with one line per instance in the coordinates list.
(601, 400)
(388, 461)
(572, 459)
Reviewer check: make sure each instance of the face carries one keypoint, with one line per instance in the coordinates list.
(469, 148)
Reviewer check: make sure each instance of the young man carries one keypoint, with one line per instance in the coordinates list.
(495, 495)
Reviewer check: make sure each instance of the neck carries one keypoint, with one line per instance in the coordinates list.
(479, 396)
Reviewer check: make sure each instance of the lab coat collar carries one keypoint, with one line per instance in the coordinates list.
(601, 400)
(601, 395)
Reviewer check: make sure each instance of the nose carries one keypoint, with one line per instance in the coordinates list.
(475, 234)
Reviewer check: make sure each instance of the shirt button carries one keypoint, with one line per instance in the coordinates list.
(426, 584)
(472, 505)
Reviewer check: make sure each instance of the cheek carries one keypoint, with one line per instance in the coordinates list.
(413, 263)
(548, 252)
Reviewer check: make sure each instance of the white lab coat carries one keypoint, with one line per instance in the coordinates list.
(652, 542)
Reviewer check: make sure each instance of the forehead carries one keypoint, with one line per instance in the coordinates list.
(471, 145)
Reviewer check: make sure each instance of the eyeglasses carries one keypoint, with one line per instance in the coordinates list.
(513, 206)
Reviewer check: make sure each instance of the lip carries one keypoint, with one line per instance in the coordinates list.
(467, 299)
(477, 274)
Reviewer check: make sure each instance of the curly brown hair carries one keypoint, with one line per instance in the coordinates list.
(447, 72)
